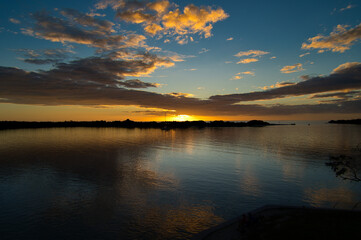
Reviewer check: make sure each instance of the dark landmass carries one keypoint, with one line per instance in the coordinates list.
(352, 121)
(131, 124)
(286, 222)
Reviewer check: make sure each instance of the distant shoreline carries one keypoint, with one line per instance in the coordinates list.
(352, 121)
(132, 124)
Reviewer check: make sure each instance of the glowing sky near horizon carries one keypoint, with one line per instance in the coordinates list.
(231, 60)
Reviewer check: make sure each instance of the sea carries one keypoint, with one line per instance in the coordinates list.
(116, 183)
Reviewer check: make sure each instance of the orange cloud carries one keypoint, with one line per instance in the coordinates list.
(277, 85)
(340, 40)
(345, 66)
(252, 53)
(248, 73)
(180, 95)
(247, 60)
(237, 77)
(292, 68)
(157, 19)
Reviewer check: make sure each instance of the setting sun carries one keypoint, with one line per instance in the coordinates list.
(182, 118)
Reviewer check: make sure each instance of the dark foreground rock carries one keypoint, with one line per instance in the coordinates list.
(285, 222)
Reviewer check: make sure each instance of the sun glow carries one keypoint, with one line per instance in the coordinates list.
(182, 118)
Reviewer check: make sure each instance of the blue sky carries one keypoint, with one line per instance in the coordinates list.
(296, 60)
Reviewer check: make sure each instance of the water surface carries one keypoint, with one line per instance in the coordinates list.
(110, 183)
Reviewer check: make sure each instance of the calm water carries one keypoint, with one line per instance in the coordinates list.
(88, 183)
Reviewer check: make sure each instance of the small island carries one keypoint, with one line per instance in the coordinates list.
(352, 121)
(131, 124)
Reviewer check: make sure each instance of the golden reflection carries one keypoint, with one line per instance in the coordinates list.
(250, 184)
(182, 220)
(328, 197)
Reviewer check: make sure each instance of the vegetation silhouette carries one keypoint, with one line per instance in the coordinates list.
(352, 121)
(131, 124)
(347, 167)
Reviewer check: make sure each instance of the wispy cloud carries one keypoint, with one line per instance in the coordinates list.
(304, 54)
(229, 39)
(203, 50)
(14, 20)
(44, 56)
(292, 68)
(347, 7)
(340, 40)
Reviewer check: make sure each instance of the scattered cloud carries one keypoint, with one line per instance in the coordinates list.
(191, 69)
(230, 39)
(228, 62)
(237, 77)
(274, 57)
(248, 73)
(340, 40)
(292, 68)
(203, 50)
(251, 53)
(304, 54)
(247, 60)
(15, 21)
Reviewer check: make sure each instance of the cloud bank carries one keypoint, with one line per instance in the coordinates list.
(98, 81)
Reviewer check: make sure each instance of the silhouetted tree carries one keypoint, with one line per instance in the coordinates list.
(347, 167)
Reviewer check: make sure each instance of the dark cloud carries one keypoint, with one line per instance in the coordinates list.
(88, 20)
(45, 56)
(95, 81)
(136, 83)
(337, 95)
(347, 79)
(79, 28)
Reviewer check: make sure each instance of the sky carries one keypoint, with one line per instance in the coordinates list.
(180, 60)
